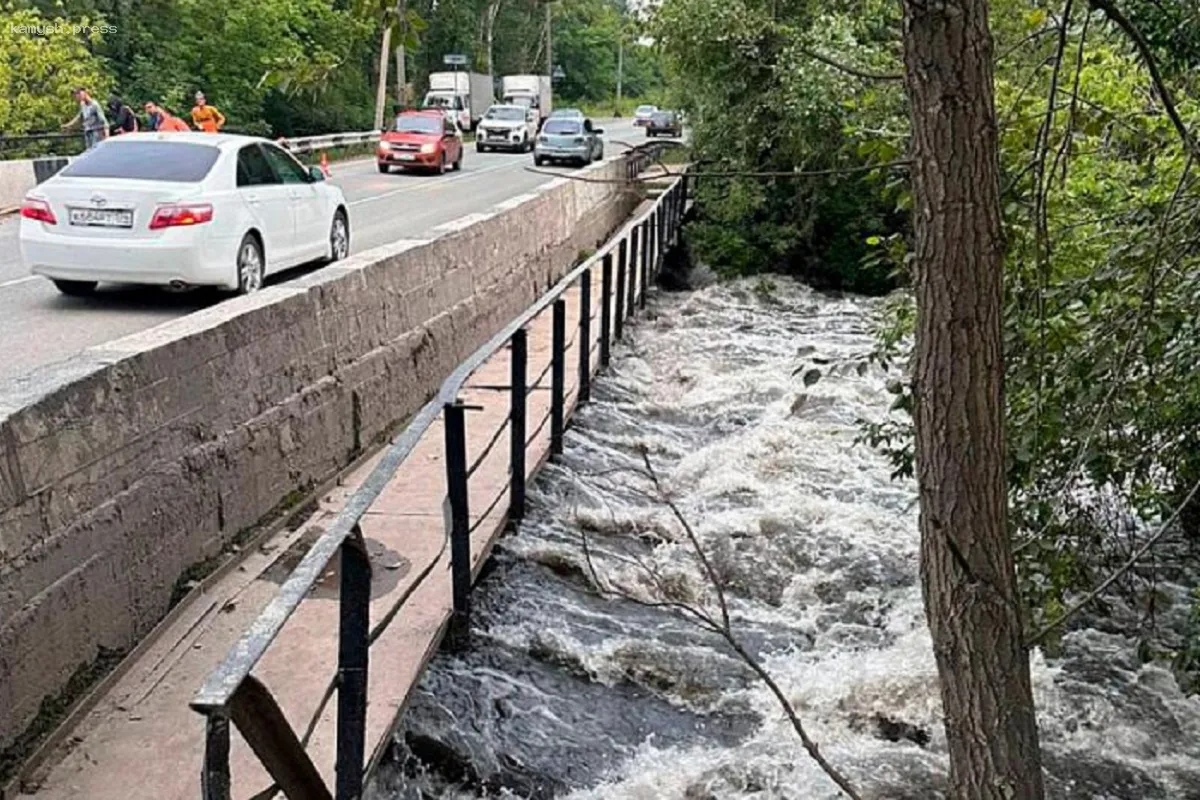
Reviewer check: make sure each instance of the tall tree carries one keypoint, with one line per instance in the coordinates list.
(967, 572)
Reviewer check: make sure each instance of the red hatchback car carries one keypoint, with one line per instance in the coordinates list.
(420, 140)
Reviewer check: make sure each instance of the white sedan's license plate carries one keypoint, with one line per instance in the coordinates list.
(101, 217)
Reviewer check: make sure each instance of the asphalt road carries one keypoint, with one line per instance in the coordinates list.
(40, 326)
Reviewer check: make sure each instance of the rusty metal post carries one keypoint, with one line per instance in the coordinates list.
(619, 304)
(214, 775)
(606, 304)
(353, 648)
(557, 376)
(516, 447)
(585, 336)
(454, 417)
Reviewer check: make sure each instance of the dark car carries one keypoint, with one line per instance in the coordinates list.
(664, 122)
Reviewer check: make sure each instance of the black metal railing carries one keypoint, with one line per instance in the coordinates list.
(232, 694)
(40, 145)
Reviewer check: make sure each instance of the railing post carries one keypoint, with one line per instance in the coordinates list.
(681, 205)
(663, 240)
(214, 776)
(585, 336)
(645, 275)
(658, 238)
(684, 183)
(619, 304)
(559, 357)
(644, 261)
(519, 386)
(354, 624)
(606, 303)
(669, 216)
(454, 417)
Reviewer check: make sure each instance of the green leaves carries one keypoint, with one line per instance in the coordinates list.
(38, 71)
(760, 101)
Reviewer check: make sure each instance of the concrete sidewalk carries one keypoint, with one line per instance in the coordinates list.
(140, 739)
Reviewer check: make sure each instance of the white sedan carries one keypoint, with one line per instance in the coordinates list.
(181, 209)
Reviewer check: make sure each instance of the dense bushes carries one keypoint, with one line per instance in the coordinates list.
(760, 102)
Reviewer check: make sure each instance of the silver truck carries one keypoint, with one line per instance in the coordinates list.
(531, 91)
(465, 96)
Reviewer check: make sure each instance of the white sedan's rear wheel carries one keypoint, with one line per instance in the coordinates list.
(251, 266)
(339, 237)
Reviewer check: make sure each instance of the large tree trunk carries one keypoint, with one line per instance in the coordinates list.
(401, 77)
(401, 66)
(493, 10)
(381, 89)
(967, 571)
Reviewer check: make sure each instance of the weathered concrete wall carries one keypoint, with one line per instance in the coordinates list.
(18, 177)
(126, 465)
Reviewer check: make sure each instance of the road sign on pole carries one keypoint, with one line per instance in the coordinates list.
(454, 60)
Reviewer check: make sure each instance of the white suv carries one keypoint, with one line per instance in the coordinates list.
(507, 128)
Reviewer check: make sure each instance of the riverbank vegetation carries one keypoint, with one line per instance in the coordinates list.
(1100, 209)
(1063, 162)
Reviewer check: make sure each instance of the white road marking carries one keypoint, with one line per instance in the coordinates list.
(432, 184)
(18, 281)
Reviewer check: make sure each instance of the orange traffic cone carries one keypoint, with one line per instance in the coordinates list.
(325, 165)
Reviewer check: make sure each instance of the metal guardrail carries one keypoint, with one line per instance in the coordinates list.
(40, 145)
(35, 145)
(232, 694)
(310, 144)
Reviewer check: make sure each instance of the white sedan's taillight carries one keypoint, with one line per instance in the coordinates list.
(183, 214)
(32, 208)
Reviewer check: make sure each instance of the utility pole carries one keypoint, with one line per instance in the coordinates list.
(381, 89)
(549, 51)
(401, 76)
(620, 64)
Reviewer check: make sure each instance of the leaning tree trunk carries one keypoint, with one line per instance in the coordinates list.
(967, 572)
(401, 71)
(381, 87)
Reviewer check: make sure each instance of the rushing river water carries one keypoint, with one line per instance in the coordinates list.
(570, 691)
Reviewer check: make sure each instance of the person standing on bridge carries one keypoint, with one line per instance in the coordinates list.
(162, 120)
(90, 119)
(123, 119)
(205, 117)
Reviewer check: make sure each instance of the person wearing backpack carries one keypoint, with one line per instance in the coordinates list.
(123, 119)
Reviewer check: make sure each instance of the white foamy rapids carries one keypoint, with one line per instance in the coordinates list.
(819, 547)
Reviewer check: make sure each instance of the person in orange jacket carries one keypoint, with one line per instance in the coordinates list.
(205, 117)
(163, 120)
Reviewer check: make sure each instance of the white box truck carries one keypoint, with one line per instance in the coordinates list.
(466, 96)
(531, 91)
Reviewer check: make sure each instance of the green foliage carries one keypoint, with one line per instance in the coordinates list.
(294, 67)
(1102, 343)
(759, 102)
(38, 71)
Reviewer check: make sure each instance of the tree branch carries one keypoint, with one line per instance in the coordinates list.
(706, 621)
(1087, 599)
(850, 70)
(1143, 47)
